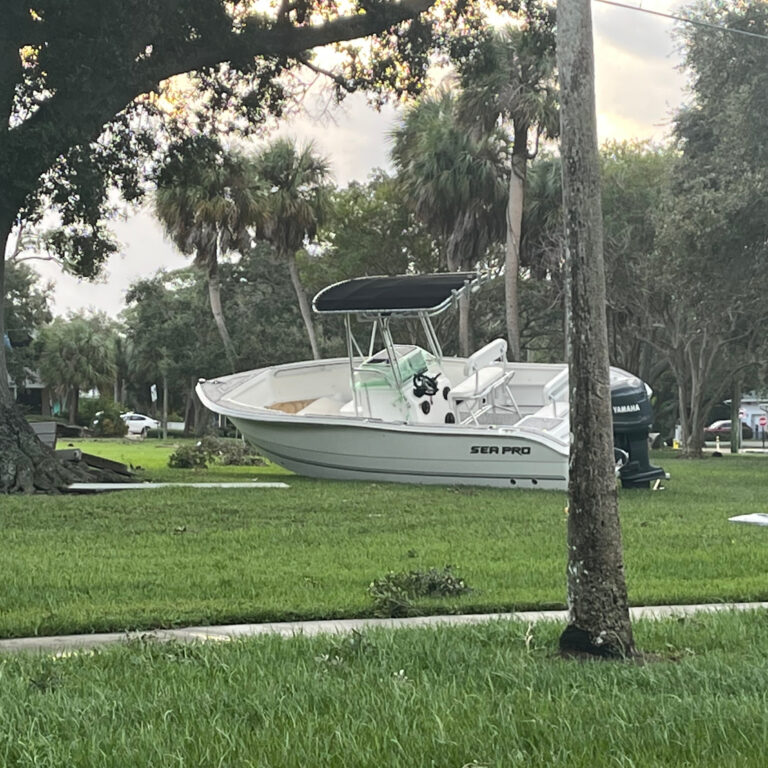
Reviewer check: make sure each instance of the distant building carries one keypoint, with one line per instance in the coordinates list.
(32, 392)
(753, 406)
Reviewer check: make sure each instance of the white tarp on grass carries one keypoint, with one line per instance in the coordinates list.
(756, 518)
(144, 486)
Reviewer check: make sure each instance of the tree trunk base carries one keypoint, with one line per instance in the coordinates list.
(28, 466)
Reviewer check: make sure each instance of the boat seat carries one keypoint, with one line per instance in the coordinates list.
(478, 384)
(479, 392)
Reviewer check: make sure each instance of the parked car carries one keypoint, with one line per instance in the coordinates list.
(138, 423)
(722, 429)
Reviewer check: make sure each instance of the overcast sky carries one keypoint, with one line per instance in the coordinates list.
(638, 89)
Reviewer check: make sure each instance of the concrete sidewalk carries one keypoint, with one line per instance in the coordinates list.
(63, 643)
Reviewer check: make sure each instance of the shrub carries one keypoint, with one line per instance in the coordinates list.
(393, 594)
(107, 421)
(237, 453)
(210, 449)
(190, 457)
(90, 408)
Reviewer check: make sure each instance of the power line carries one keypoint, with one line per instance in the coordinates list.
(695, 22)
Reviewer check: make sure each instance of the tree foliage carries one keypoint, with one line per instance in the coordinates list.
(170, 333)
(713, 232)
(455, 181)
(508, 80)
(208, 200)
(370, 230)
(87, 92)
(26, 312)
(77, 354)
(298, 180)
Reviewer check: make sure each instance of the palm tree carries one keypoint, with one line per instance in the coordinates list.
(207, 199)
(455, 182)
(510, 82)
(297, 180)
(77, 354)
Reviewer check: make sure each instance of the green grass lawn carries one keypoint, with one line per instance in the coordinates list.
(169, 557)
(489, 695)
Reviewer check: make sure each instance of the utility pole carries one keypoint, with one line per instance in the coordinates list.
(598, 611)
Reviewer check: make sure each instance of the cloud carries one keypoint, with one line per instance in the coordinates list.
(638, 82)
(143, 251)
(353, 135)
(641, 35)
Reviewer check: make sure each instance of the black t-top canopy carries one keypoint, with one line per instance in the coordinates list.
(401, 294)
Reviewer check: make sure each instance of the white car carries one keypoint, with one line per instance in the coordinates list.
(138, 423)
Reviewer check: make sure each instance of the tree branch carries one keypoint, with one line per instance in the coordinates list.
(263, 37)
(304, 59)
(19, 259)
(62, 118)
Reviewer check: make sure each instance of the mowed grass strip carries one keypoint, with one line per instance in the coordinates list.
(488, 695)
(180, 556)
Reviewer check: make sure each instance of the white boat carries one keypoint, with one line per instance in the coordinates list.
(407, 413)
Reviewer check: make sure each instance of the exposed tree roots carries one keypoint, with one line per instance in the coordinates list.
(28, 466)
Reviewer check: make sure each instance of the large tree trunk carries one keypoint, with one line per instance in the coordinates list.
(306, 312)
(598, 612)
(514, 232)
(214, 296)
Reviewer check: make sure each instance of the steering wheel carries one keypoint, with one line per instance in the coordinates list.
(424, 385)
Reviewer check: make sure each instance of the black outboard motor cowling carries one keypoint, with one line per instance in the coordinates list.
(632, 420)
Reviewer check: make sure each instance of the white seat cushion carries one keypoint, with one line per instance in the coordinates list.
(478, 383)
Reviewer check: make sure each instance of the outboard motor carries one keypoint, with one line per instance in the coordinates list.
(632, 420)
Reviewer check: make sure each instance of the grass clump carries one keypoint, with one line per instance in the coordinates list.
(394, 594)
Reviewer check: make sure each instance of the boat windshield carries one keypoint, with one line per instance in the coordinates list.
(378, 369)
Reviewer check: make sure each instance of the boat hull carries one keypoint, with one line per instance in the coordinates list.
(382, 452)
